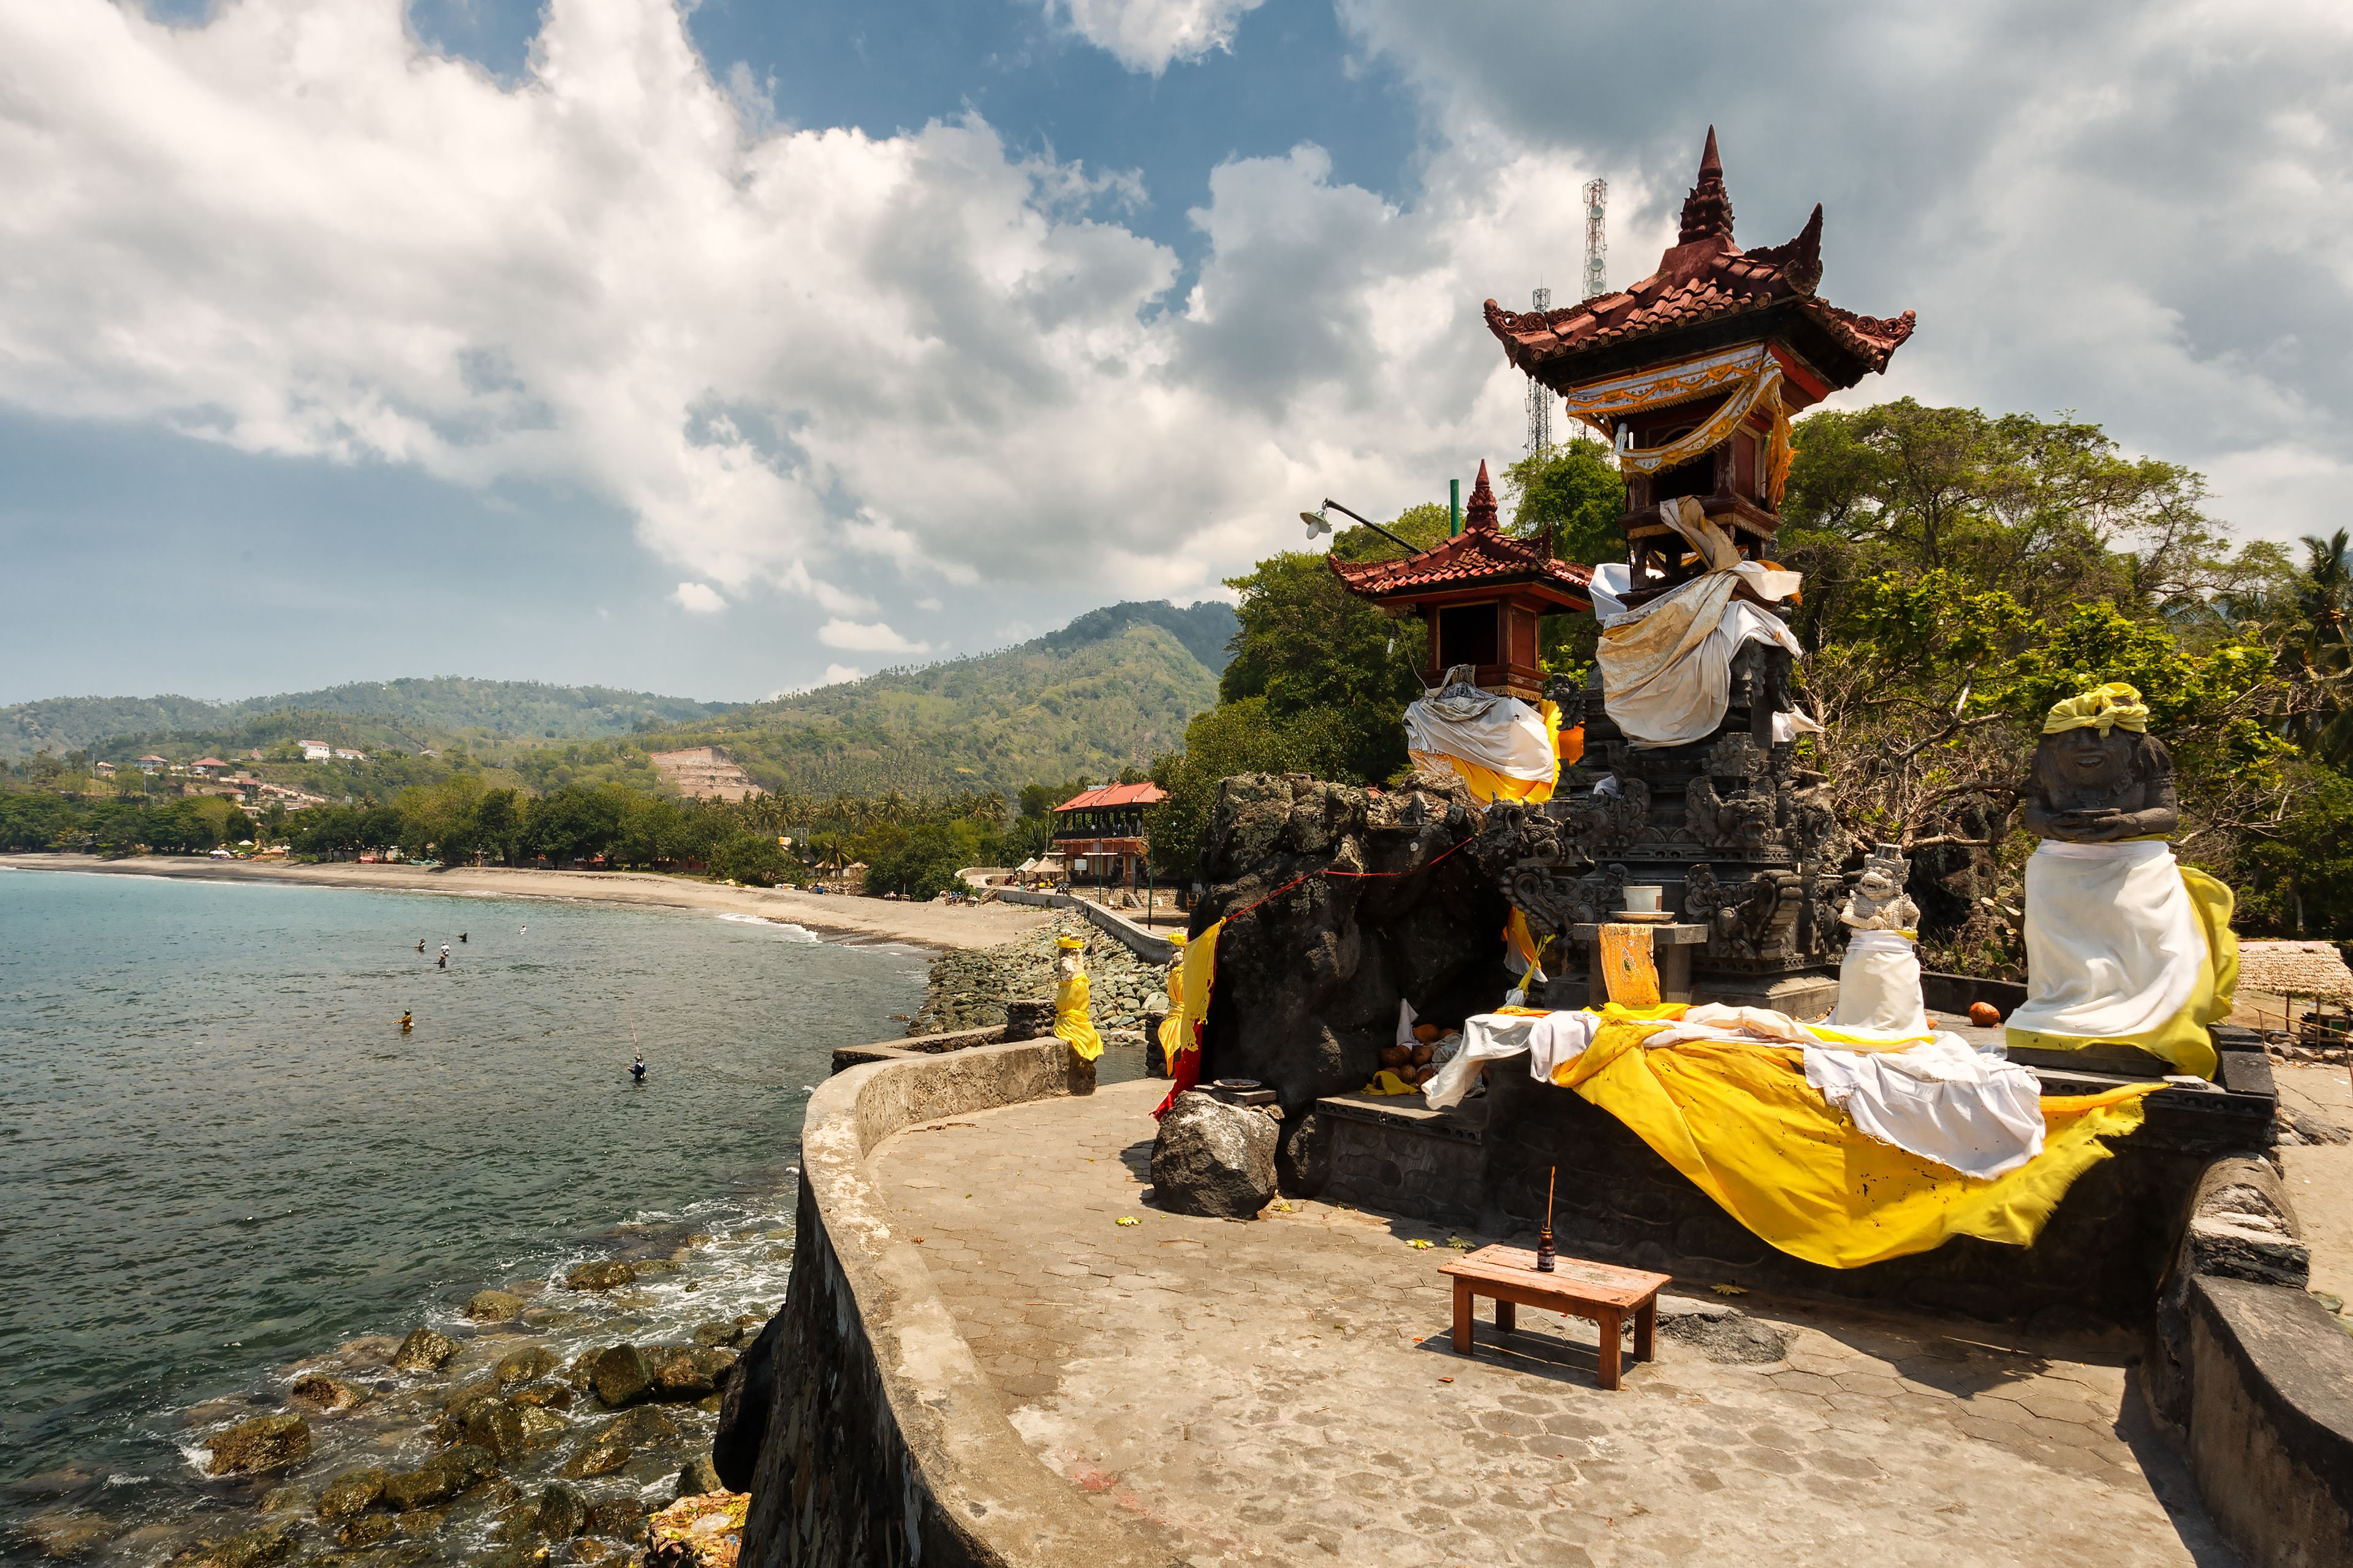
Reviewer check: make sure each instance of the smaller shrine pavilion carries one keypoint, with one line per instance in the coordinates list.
(1481, 593)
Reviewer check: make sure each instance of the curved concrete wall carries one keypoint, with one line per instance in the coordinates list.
(885, 1443)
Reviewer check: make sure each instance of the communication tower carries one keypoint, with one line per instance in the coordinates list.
(1539, 396)
(1597, 239)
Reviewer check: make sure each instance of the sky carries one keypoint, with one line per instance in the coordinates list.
(734, 348)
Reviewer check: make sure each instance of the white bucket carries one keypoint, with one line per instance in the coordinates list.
(1642, 900)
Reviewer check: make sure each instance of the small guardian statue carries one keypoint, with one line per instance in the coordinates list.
(2124, 946)
(1879, 979)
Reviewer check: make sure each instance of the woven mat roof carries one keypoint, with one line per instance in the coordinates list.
(2295, 969)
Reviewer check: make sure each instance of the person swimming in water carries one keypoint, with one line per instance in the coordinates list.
(637, 1069)
(407, 1025)
(443, 962)
(462, 936)
(420, 944)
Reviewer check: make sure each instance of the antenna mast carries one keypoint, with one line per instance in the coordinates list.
(1596, 240)
(1539, 396)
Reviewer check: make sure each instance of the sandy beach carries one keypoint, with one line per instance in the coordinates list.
(879, 920)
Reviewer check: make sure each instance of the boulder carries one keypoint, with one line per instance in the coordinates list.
(610, 1274)
(1213, 1159)
(494, 1425)
(617, 1518)
(67, 1532)
(717, 1334)
(684, 1373)
(698, 1477)
(563, 1512)
(619, 1375)
(351, 1493)
(524, 1366)
(426, 1350)
(265, 1443)
(493, 1306)
(439, 1479)
(253, 1549)
(743, 1409)
(367, 1529)
(619, 1440)
(327, 1396)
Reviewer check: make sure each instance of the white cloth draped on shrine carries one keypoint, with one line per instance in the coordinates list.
(1666, 667)
(1879, 985)
(2113, 945)
(1930, 1095)
(1501, 735)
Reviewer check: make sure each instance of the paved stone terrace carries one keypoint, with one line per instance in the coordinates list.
(1281, 1392)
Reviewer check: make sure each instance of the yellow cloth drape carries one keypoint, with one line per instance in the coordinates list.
(1189, 996)
(2183, 1041)
(1071, 1022)
(1386, 1082)
(1629, 970)
(2114, 706)
(1487, 785)
(1741, 1122)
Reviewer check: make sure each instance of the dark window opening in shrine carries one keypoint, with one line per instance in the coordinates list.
(1466, 635)
(1696, 478)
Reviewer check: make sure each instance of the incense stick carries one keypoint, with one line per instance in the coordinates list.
(1551, 1176)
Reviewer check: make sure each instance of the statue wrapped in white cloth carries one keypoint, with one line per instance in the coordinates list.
(1879, 979)
(2124, 946)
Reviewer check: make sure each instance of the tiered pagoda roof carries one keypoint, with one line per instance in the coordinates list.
(1706, 293)
(1482, 557)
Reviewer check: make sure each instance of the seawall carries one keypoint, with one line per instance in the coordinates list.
(885, 1445)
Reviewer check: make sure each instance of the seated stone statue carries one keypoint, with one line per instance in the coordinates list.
(2124, 946)
(1879, 979)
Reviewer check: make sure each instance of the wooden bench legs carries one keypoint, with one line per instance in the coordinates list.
(1610, 1320)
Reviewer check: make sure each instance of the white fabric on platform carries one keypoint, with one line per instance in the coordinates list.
(1666, 667)
(1547, 1040)
(1936, 1098)
(1928, 1094)
(2114, 946)
(1502, 733)
(1879, 985)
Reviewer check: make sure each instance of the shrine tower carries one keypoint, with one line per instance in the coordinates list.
(1693, 373)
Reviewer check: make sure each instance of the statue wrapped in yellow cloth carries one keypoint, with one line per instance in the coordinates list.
(1072, 1021)
(2124, 946)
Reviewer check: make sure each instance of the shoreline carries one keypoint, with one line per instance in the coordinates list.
(940, 926)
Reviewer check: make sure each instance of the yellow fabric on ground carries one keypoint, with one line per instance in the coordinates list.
(1071, 1022)
(1386, 1082)
(1743, 1125)
(1189, 996)
(2182, 1041)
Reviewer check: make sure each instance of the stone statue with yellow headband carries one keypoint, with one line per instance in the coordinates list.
(2124, 946)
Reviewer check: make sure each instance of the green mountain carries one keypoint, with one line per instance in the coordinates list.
(1112, 690)
(446, 706)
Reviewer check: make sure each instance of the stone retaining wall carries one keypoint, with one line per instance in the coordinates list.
(1138, 940)
(885, 1443)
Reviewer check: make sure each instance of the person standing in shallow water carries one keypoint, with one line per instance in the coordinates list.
(637, 1069)
(408, 1023)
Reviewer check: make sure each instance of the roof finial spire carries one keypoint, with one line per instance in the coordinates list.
(1708, 211)
(1481, 510)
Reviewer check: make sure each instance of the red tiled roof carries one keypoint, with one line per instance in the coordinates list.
(208, 763)
(1114, 795)
(1480, 554)
(1703, 278)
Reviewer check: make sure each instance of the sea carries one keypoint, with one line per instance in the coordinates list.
(221, 1155)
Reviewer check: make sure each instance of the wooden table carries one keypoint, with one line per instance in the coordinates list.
(1600, 1291)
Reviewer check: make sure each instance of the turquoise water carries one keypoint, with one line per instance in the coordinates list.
(219, 1154)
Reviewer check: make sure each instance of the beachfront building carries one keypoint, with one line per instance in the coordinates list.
(1099, 834)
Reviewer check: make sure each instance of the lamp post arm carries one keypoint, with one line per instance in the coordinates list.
(1376, 528)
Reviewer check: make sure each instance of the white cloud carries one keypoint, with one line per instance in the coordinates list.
(876, 638)
(835, 674)
(1153, 35)
(699, 598)
(817, 360)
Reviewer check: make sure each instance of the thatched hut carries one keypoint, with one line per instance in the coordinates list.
(2294, 970)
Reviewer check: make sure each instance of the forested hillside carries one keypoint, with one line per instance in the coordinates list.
(1112, 690)
(447, 705)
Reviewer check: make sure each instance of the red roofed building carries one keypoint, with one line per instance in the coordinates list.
(1099, 833)
(1694, 372)
(207, 765)
(1481, 592)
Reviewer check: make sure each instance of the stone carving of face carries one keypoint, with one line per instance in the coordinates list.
(2094, 764)
(1876, 884)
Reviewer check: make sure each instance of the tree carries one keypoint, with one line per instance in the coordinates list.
(1237, 737)
(1571, 496)
(1325, 663)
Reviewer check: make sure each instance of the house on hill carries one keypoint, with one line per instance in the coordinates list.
(1099, 833)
